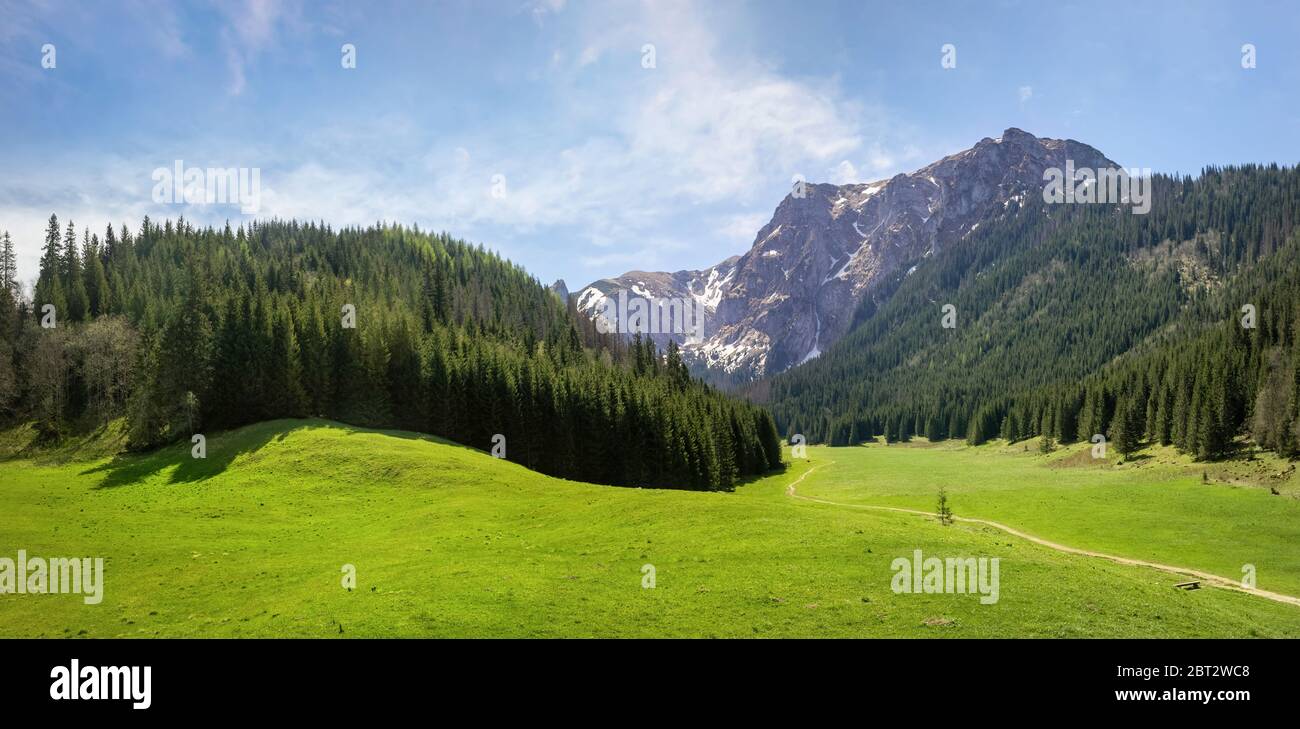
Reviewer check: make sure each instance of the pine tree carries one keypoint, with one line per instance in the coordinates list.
(313, 352)
(1212, 436)
(943, 510)
(1292, 447)
(73, 282)
(1127, 423)
(96, 280)
(1179, 415)
(403, 376)
(8, 267)
(49, 285)
(177, 374)
(1086, 428)
(904, 428)
(227, 407)
(932, 431)
(109, 251)
(285, 392)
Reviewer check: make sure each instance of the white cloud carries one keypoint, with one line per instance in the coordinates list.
(235, 63)
(621, 164)
(703, 129)
(844, 173)
(590, 55)
(541, 8)
(116, 191)
(655, 254)
(742, 227)
(251, 29)
(707, 127)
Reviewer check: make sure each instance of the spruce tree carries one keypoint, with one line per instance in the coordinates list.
(49, 285)
(73, 282)
(1126, 424)
(8, 267)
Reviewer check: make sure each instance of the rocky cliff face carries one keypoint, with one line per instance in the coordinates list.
(703, 288)
(795, 291)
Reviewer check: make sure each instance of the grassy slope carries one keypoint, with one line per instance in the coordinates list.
(1154, 508)
(449, 542)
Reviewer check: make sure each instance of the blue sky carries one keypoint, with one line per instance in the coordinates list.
(604, 165)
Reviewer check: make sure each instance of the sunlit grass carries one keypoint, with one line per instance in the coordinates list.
(447, 541)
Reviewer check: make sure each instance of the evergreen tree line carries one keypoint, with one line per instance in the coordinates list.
(182, 330)
(1078, 320)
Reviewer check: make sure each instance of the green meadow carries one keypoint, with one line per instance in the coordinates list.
(253, 540)
(1158, 507)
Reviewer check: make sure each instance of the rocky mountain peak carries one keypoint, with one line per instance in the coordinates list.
(794, 292)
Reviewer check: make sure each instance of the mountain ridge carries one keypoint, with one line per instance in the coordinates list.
(828, 247)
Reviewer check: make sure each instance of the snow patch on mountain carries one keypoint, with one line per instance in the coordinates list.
(793, 294)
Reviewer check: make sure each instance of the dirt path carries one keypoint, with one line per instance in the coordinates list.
(1205, 577)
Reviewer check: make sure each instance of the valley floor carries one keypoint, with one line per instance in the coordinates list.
(255, 540)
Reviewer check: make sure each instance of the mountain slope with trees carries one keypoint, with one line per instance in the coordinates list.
(183, 330)
(1076, 320)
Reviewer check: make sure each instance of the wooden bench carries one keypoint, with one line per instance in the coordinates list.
(1193, 585)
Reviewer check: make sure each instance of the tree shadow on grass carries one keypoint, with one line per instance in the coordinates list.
(406, 435)
(742, 482)
(222, 449)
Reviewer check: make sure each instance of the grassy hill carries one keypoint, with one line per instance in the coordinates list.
(447, 541)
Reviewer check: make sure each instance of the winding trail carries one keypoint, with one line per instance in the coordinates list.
(1205, 577)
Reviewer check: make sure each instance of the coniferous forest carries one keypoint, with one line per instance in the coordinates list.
(1178, 327)
(1181, 326)
(182, 331)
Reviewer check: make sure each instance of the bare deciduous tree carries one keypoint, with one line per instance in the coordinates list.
(49, 379)
(108, 348)
(1272, 415)
(8, 381)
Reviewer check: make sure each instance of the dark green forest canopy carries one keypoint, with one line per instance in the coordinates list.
(1075, 320)
(183, 329)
